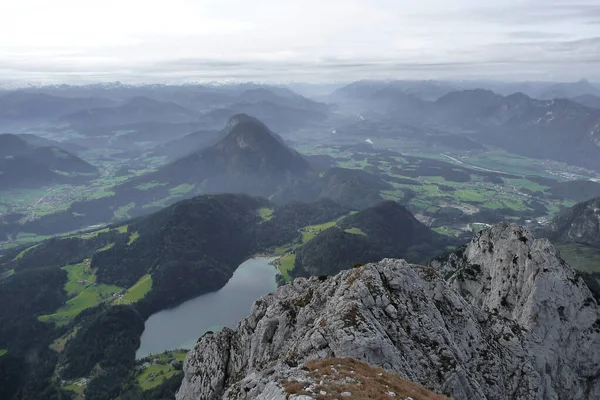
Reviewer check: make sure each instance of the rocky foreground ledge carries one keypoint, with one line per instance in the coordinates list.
(511, 321)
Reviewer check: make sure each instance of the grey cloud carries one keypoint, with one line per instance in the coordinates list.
(536, 13)
(536, 35)
(589, 45)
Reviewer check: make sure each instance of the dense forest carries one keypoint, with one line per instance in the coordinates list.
(190, 248)
(386, 230)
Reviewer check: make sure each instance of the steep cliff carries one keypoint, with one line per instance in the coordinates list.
(513, 321)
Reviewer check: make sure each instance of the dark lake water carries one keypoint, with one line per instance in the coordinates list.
(180, 327)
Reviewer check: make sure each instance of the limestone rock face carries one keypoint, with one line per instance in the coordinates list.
(512, 322)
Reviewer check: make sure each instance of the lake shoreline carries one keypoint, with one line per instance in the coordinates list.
(253, 279)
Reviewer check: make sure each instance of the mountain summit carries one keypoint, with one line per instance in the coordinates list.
(248, 158)
(249, 145)
(513, 321)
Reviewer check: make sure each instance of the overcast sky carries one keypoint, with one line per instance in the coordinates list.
(305, 40)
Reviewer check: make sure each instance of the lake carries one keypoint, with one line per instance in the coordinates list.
(180, 327)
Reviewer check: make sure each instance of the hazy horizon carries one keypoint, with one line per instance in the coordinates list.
(148, 41)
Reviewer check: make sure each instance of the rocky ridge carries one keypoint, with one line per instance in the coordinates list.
(512, 321)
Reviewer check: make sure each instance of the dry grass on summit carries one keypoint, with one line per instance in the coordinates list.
(363, 381)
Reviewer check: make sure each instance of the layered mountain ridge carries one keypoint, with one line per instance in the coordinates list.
(512, 321)
(248, 158)
(578, 224)
(26, 163)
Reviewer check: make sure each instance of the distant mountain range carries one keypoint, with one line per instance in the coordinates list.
(43, 142)
(432, 90)
(23, 108)
(550, 129)
(588, 100)
(84, 108)
(569, 90)
(138, 109)
(559, 129)
(25, 164)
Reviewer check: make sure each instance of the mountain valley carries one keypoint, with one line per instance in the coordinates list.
(399, 218)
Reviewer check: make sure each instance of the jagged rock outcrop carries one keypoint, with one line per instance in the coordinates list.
(512, 322)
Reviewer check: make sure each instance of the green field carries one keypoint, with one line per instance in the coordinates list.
(133, 237)
(75, 387)
(286, 265)
(89, 297)
(81, 285)
(266, 213)
(107, 247)
(158, 368)
(137, 291)
(59, 344)
(581, 257)
(123, 211)
(3, 352)
(309, 232)
(181, 189)
(444, 230)
(21, 254)
(356, 231)
(79, 277)
(150, 185)
(95, 233)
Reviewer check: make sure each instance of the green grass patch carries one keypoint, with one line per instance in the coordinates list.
(581, 257)
(181, 189)
(160, 203)
(179, 355)
(138, 291)
(444, 230)
(21, 254)
(266, 213)
(469, 196)
(107, 247)
(79, 277)
(3, 352)
(95, 233)
(81, 284)
(525, 184)
(514, 204)
(78, 388)
(395, 195)
(286, 265)
(356, 231)
(309, 232)
(149, 185)
(133, 237)
(102, 193)
(122, 229)
(123, 211)
(284, 249)
(158, 368)
(59, 344)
